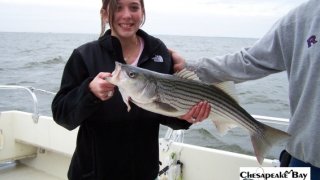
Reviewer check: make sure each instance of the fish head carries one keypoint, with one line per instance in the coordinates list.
(133, 83)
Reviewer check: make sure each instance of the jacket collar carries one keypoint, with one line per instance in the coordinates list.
(113, 45)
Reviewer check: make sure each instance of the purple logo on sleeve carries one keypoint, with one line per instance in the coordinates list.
(312, 40)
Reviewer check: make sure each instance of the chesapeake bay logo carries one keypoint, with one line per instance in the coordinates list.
(274, 173)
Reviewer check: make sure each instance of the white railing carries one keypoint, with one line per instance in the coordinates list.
(30, 90)
(272, 120)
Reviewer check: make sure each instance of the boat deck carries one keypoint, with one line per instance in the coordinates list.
(22, 172)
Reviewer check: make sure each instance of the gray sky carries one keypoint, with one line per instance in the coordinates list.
(223, 18)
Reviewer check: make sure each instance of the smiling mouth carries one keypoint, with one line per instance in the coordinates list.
(126, 25)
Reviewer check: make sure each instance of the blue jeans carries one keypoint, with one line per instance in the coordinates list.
(315, 171)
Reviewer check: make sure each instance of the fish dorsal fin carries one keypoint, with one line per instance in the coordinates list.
(229, 88)
(187, 74)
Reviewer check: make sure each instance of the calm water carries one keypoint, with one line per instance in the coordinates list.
(38, 59)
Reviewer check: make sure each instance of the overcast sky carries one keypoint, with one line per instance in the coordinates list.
(222, 18)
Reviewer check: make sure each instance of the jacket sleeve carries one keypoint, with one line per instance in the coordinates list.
(175, 123)
(265, 57)
(74, 102)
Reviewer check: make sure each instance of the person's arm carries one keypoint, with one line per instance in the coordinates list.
(248, 64)
(74, 102)
(265, 57)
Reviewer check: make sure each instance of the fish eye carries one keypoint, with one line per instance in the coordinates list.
(132, 74)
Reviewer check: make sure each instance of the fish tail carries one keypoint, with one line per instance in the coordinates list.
(262, 143)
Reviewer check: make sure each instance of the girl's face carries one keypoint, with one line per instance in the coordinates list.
(127, 19)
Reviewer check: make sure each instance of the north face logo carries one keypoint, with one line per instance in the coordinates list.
(312, 40)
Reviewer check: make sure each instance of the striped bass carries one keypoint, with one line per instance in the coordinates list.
(175, 95)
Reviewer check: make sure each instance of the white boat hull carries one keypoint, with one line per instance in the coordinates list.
(46, 148)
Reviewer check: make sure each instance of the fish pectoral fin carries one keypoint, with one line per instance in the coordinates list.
(160, 108)
(126, 101)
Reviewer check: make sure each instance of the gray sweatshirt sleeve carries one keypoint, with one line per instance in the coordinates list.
(293, 45)
(263, 58)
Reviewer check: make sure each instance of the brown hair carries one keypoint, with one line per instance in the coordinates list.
(110, 6)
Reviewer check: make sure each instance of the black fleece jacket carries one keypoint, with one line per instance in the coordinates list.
(112, 144)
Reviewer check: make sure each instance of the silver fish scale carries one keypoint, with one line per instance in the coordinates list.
(183, 94)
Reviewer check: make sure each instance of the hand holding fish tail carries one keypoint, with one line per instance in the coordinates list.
(198, 113)
(100, 88)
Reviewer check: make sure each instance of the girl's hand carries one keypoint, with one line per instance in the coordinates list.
(198, 113)
(101, 88)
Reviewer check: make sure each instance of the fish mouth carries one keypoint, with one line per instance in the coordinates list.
(115, 74)
(117, 70)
